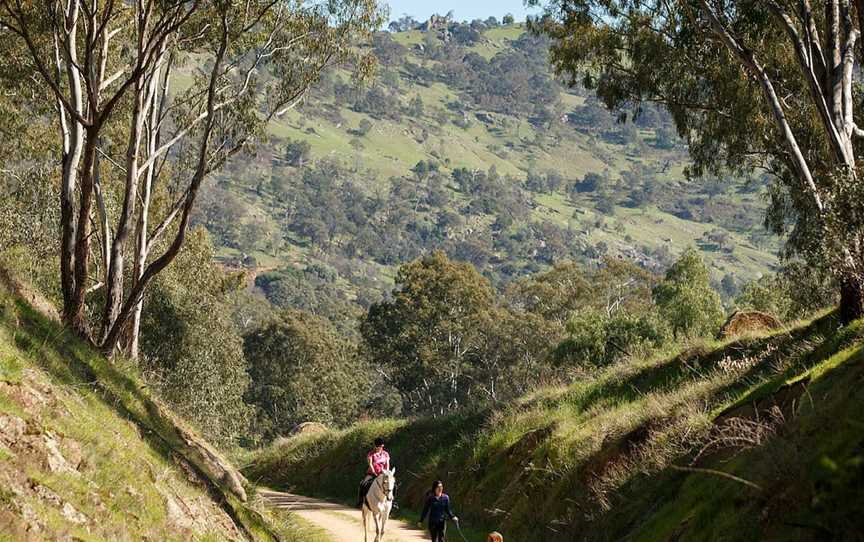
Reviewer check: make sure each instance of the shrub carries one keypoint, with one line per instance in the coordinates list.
(686, 300)
(598, 339)
(191, 351)
(297, 152)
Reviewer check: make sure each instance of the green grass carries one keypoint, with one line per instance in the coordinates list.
(8, 406)
(128, 469)
(652, 227)
(10, 368)
(409, 38)
(600, 457)
(309, 532)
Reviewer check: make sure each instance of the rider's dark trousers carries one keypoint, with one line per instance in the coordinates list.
(436, 529)
(364, 489)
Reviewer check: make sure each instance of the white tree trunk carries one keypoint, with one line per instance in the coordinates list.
(142, 245)
(73, 144)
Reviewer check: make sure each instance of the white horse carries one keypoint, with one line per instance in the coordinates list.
(378, 502)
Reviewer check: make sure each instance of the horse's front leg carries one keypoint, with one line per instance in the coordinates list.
(384, 518)
(377, 528)
(365, 530)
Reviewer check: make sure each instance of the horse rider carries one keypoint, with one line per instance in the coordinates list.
(377, 460)
(438, 509)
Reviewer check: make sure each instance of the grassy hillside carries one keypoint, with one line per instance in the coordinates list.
(646, 209)
(756, 438)
(83, 456)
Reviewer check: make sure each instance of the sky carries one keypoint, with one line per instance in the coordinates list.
(464, 10)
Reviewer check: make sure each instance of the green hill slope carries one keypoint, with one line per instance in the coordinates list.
(757, 438)
(473, 146)
(87, 454)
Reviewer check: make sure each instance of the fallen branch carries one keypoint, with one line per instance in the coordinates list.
(719, 473)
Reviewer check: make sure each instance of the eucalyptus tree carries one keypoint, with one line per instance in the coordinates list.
(300, 367)
(150, 98)
(428, 340)
(765, 84)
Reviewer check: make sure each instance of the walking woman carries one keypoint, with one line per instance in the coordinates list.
(438, 509)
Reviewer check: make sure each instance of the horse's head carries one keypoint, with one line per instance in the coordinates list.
(388, 483)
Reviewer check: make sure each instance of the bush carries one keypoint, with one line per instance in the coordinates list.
(795, 292)
(364, 127)
(297, 152)
(415, 107)
(686, 300)
(598, 339)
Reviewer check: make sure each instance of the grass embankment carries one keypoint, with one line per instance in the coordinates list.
(759, 437)
(87, 453)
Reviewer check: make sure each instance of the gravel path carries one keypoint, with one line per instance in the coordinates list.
(343, 524)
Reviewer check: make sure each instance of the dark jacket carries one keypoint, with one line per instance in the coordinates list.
(437, 508)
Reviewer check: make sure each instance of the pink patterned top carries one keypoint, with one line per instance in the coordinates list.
(380, 461)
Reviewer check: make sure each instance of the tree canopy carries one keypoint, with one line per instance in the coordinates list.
(685, 297)
(107, 69)
(750, 85)
(302, 370)
(426, 336)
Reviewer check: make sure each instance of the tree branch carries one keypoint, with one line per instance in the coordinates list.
(36, 56)
(817, 92)
(749, 60)
(113, 335)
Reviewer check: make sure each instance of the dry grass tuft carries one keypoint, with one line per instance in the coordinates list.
(742, 433)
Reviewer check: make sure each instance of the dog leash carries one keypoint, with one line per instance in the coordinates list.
(459, 530)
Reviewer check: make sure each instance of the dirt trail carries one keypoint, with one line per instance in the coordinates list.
(343, 524)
